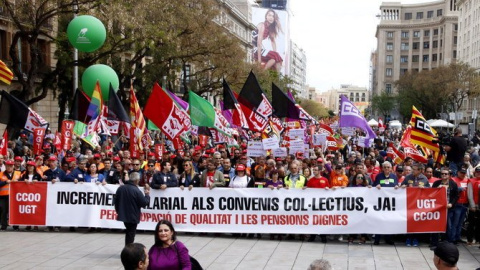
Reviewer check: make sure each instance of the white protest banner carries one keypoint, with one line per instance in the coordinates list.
(306, 150)
(296, 146)
(349, 131)
(319, 139)
(293, 211)
(255, 149)
(270, 143)
(296, 134)
(280, 152)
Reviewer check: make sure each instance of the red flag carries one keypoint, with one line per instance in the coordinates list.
(38, 136)
(405, 142)
(255, 120)
(135, 142)
(159, 150)
(202, 140)
(415, 154)
(325, 129)
(58, 142)
(4, 144)
(396, 155)
(332, 143)
(168, 117)
(67, 131)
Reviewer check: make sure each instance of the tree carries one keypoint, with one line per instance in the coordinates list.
(314, 108)
(383, 103)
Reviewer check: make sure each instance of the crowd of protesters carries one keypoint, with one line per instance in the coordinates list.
(219, 166)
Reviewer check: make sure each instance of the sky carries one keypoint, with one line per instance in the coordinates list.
(338, 38)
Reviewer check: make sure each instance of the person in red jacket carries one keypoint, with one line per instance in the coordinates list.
(473, 188)
(318, 181)
(460, 210)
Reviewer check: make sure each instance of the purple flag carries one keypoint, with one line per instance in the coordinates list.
(350, 116)
(180, 102)
(227, 114)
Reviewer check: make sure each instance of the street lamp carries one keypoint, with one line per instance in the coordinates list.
(75, 52)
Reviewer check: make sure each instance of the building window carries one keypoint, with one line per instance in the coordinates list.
(426, 44)
(389, 34)
(388, 88)
(434, 57)
(426, 33)
(439, 12)
(404, 46)
(419, 15)
(455, 54)
(415, 58)
(440, 57)
(425, 58)
(430, 14)
(435, 32)
(403, 71)
(416, 45)
(441, 43)
(388, 72)
(408, 16)
(455, 40)
(404, 34)
(455, 27)
(389, 58)
(389, 46)
(404, 59)
(416, 33)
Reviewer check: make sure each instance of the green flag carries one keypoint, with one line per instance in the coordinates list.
(152, 126)
(201, 111)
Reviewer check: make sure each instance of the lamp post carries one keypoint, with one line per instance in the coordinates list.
(75, 52)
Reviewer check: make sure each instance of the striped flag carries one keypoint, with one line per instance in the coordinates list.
(422, 134)
(94, 110)
(137, 120)
(6, 75)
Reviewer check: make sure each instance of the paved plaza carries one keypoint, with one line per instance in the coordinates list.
(100, 250)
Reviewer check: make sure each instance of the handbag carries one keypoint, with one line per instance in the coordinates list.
(193, 262)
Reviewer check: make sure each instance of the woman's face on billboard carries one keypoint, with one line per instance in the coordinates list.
(270, 17)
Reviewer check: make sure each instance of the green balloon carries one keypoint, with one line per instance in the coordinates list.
(86, 33)
(104, 75)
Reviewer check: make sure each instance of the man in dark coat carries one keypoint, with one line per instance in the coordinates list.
(128, 203)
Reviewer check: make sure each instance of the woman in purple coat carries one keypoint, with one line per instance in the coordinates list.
(167, 253)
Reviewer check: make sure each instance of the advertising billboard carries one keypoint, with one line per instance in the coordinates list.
(270, 39)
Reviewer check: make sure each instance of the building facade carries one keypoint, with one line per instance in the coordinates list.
(359, 96)
(298, 70)
(413, 37)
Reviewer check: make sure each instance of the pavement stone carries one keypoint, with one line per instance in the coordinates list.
(101, 250)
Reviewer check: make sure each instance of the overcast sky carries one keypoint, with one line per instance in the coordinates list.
(338, 38)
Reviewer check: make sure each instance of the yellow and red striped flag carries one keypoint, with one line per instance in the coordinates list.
(422, 134)
(136, 116)
(6, 75)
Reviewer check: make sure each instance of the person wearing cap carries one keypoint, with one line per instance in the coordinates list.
(79, 173)
(47, 151)
(461, 207)
(211, 177)
(164, 178)
(385, 179)
(473, 190)
(399, 170)
(445, 256)
(18, 160)
(241, 179)
(6, 177)
(54, 173)
(97, 159)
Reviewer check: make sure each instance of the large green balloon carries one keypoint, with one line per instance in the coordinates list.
(86, 33)
(104, 74)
